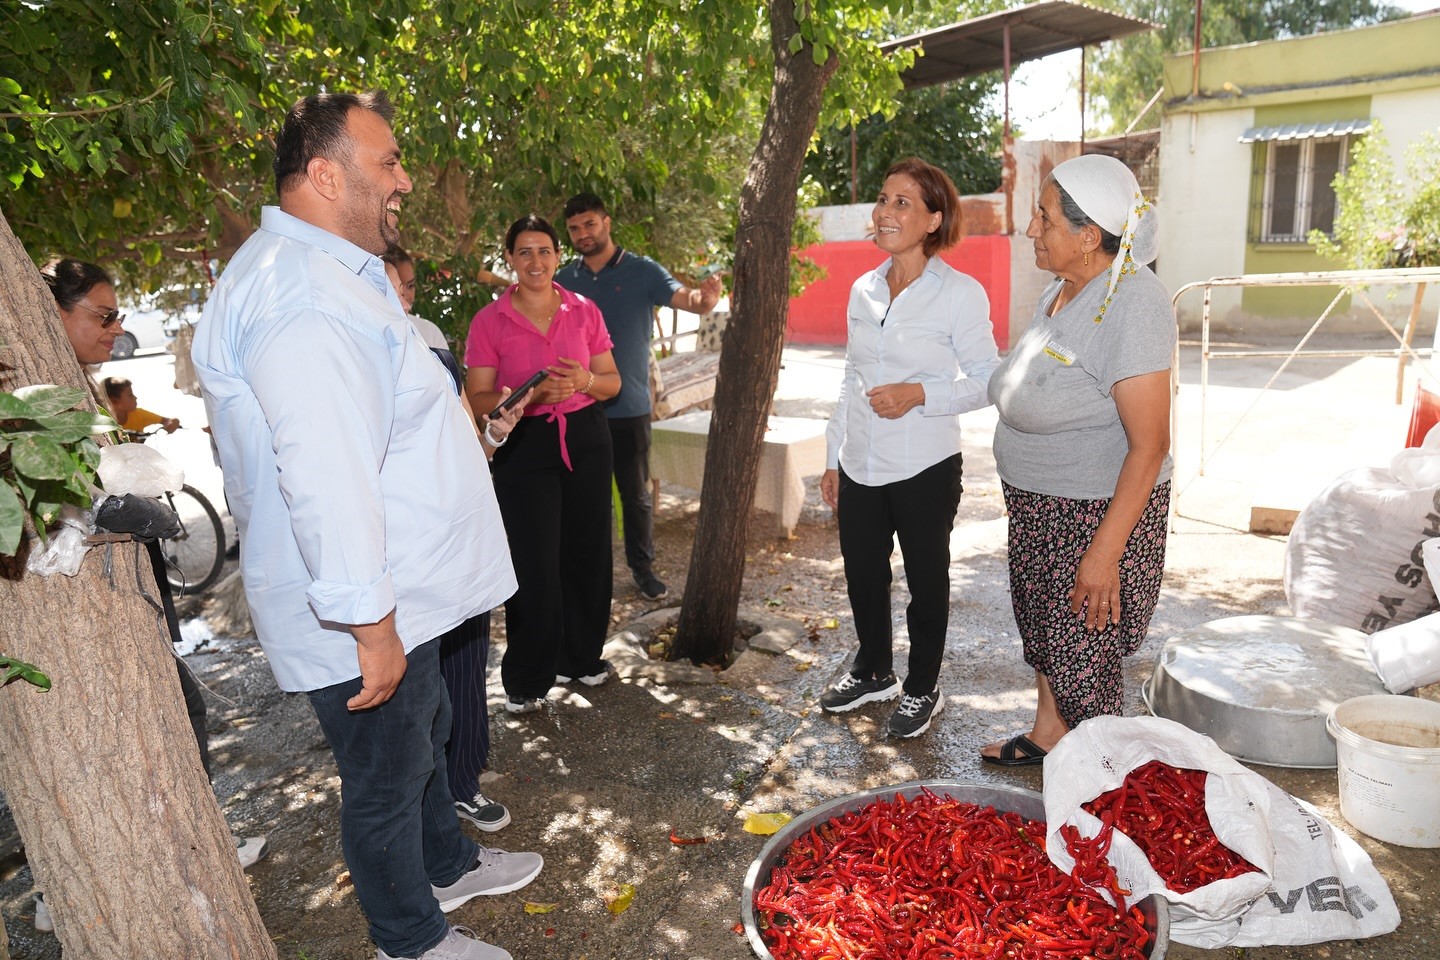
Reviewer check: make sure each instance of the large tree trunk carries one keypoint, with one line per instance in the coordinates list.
(750, 348)
(102, 772)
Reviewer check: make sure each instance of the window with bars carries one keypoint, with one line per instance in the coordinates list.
(1296, 193)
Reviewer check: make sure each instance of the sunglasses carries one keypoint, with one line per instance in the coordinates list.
(108, 318)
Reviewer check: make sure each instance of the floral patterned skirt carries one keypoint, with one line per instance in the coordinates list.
(1048, 536)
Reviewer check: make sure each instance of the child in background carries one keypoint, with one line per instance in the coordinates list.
(127, 411)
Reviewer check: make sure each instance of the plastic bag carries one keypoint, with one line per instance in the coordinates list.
(1408, 656)
(144, 517)
(1314, 883)
(1354, 554)
(65, 549)
(135, 468)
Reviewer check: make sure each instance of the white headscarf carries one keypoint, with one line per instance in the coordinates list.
(1110, 195)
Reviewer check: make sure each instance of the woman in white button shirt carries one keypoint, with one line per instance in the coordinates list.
(920, 350)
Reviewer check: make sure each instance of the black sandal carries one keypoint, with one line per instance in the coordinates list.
(1018, 751)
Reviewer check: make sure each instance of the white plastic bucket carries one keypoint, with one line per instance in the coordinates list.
(1388, 749)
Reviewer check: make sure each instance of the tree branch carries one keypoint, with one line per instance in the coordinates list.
(95, 112)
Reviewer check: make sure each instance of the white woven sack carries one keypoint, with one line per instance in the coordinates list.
(1354, 556)
(1408, 656)
(1314, 883)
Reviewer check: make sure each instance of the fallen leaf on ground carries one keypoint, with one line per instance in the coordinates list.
(621, 901)
(764, 824)
(832, 624)
(538, 907)
(680, 841)
(665, 715)
(802, 666)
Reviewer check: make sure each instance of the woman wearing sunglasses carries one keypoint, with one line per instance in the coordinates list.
(85, 295)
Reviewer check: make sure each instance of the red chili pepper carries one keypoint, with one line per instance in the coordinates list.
(931, 878)
(1162, 809)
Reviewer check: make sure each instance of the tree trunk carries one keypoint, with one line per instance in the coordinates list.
(101, 772)
(751, 346)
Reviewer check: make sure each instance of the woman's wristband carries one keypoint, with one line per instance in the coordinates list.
(490, 438)
(588, 384)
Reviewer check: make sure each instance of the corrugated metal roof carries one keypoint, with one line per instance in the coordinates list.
(1036, 30)
(1305, 131)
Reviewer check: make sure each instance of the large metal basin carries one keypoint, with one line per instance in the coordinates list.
(1262, 687)
(1027, 803)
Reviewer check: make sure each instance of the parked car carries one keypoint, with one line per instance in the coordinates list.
(149, 328)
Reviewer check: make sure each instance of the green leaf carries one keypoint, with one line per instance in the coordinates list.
(12, 520)
(9, 86)
(26, 671)
(74, 425)
(40, 458)
(46, 399)
(14, 408)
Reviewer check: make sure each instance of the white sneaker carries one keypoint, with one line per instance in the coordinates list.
(494, 872)
(249, 850)
(43, 921)
(523, 704)
(460, 943)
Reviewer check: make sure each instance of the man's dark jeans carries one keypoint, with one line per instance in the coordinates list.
(398, 827)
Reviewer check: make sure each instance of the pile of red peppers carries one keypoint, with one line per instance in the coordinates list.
(934, 878)
(1162, 809)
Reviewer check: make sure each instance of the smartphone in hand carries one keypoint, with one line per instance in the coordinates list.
(518, 394)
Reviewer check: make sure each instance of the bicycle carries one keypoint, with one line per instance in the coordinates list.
(195, 556)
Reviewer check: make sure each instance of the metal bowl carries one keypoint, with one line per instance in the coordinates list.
(1027, 803)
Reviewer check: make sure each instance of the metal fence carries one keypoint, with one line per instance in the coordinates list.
(1349, 282)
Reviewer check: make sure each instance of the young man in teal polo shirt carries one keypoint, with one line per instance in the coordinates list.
(627, 288)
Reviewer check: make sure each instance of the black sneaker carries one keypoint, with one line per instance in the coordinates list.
(851, 692)
(914, 714)
(651, 586)
(485, 813)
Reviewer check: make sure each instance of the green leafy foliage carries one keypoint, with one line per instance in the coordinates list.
(47, 457)
(954, 126)
(137, 133)
(1126, 73)
(1382, 222)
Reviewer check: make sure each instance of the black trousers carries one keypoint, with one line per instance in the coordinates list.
(557, 521)
(921, 511)
(630, 438)
(189, 686)
(463, 652)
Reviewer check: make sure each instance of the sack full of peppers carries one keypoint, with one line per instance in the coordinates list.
(1136, 806)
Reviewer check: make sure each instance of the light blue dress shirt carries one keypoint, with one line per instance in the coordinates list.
(937, 333)
(353, 473)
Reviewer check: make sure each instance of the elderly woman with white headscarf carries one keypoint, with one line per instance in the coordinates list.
(1083, 448)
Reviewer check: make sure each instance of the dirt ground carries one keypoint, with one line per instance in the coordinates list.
(600, 779)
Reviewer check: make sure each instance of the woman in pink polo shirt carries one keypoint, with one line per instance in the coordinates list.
(552, 476)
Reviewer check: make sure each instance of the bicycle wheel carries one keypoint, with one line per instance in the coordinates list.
(194, 556)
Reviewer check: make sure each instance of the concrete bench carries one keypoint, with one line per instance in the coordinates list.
(794, 450)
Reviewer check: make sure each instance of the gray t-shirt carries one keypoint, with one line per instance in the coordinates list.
(1059, 432)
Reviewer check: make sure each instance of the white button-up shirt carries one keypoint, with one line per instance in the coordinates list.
(353, 473)
(936, 333)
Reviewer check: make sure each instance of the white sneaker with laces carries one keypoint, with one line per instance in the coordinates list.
(494, 872)
(460, 943)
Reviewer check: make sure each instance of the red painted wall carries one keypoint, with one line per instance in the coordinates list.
(818, 315)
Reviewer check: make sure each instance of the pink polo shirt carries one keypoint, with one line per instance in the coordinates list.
(501, 337)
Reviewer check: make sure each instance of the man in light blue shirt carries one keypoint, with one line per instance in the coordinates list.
(368, 525)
